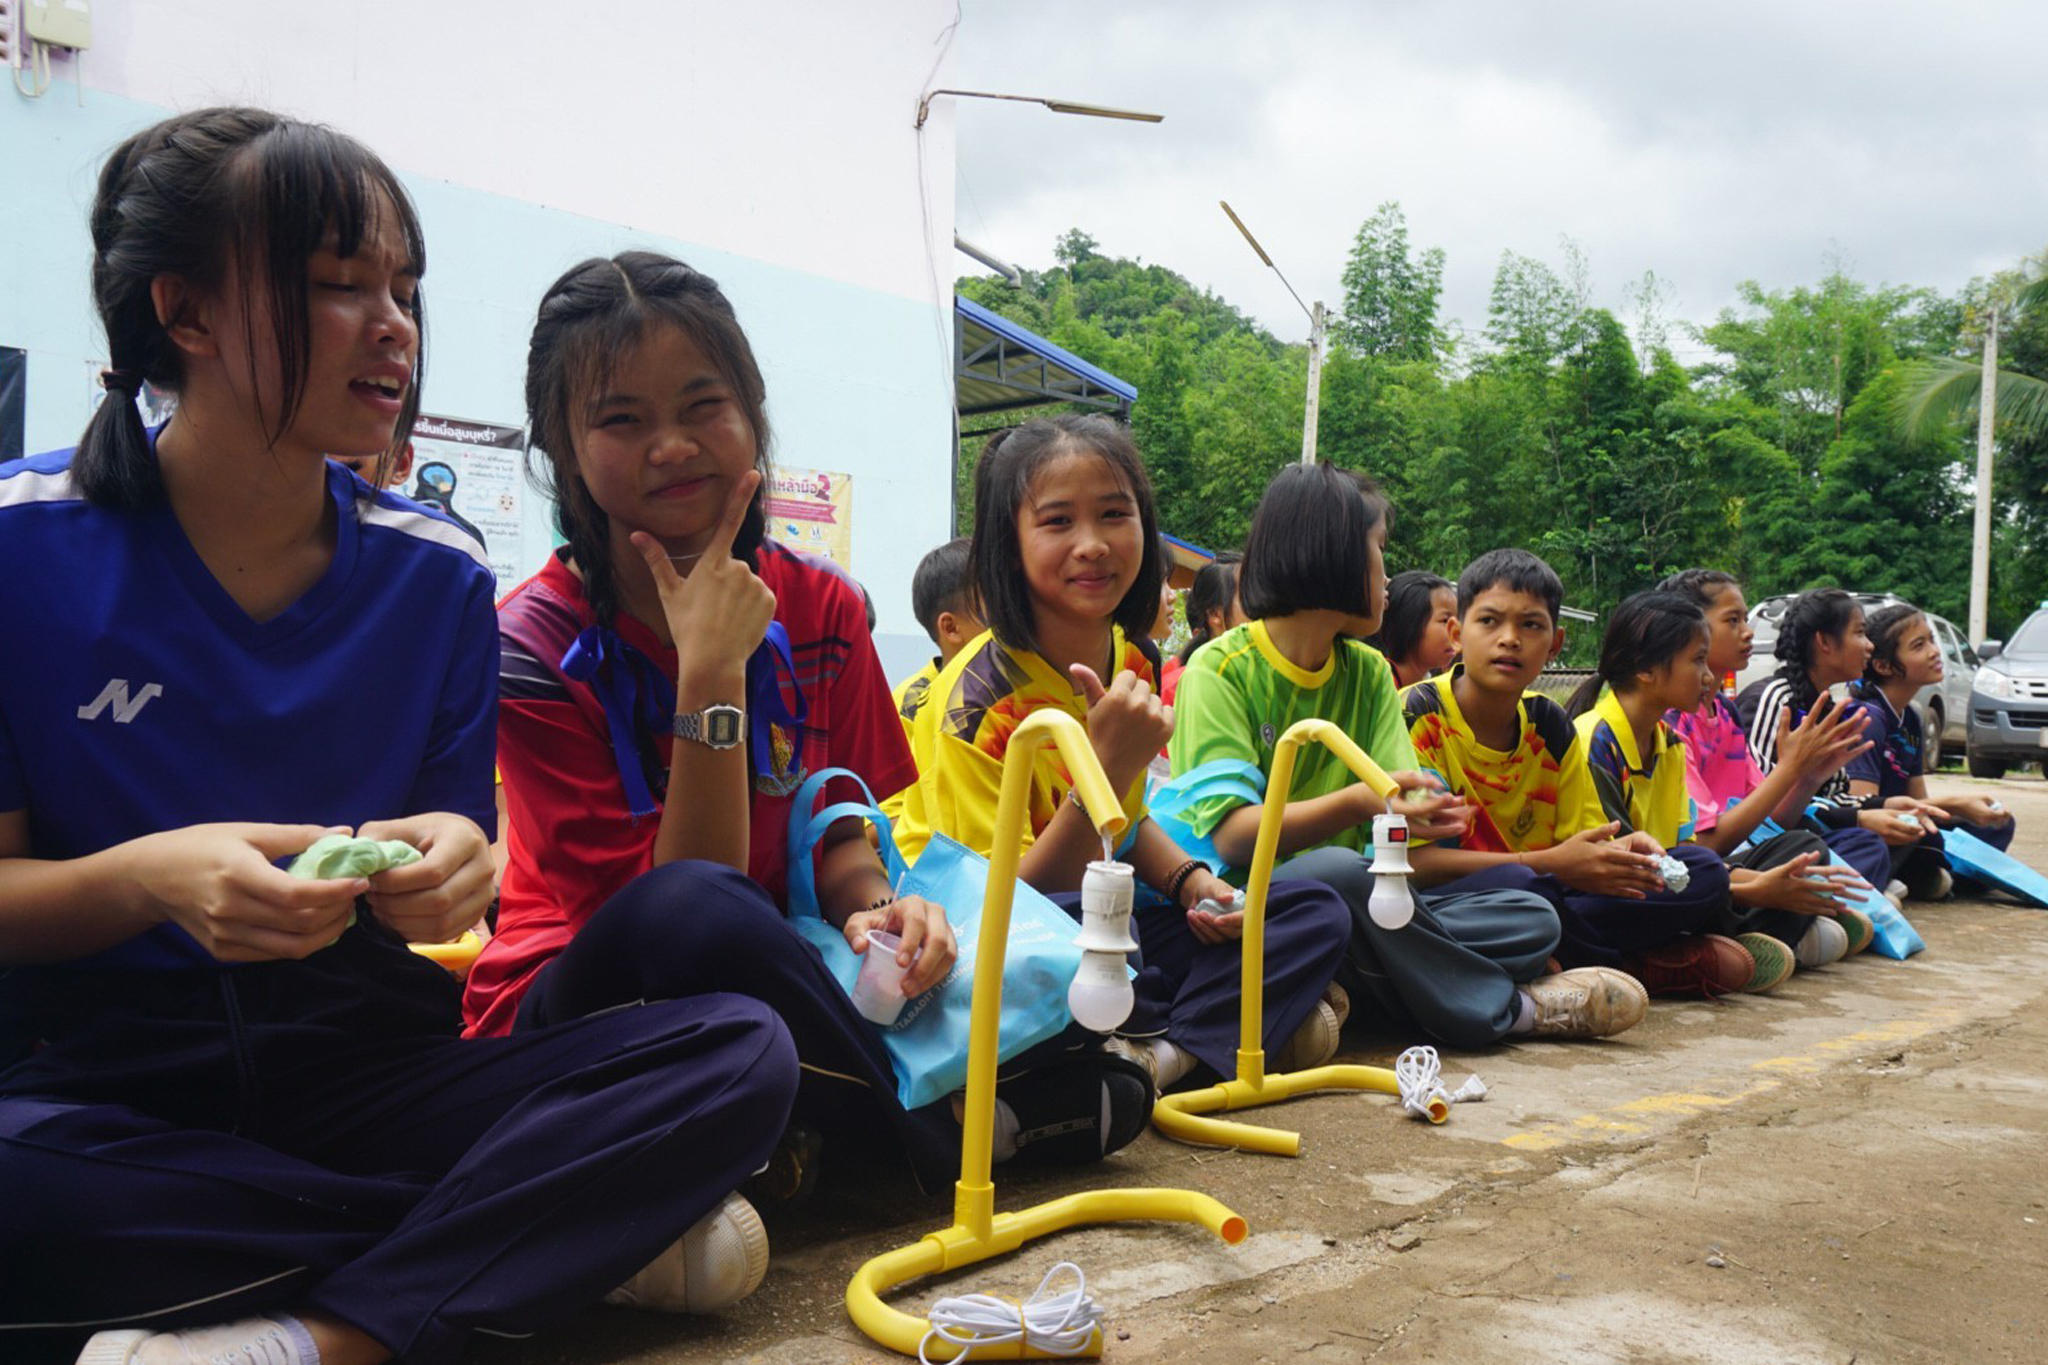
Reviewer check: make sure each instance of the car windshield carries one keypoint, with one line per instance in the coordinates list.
(2031, 637)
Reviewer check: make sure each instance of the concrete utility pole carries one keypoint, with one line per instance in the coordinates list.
(1316, 331)
(1980, 539)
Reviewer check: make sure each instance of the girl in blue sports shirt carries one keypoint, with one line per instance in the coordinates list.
(236, 1120)
(1905, 657)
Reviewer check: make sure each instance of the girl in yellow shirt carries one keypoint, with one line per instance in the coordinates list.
(1067, 567)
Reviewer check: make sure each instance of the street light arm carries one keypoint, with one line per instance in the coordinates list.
(924, 106)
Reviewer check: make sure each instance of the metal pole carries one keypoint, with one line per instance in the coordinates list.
(1980, 539)
(1315, 384)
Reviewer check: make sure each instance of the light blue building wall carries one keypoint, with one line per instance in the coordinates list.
(858, 377)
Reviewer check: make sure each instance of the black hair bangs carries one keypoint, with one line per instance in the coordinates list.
(1518, 571)
(300, 188)
(1309, 548)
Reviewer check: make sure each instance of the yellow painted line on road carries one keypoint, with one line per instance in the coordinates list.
(1626, 1119)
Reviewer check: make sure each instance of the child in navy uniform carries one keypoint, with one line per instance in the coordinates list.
(1822, 644)
(225, 1090)
(1905, 657)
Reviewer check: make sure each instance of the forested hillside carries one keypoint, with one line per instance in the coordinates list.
(1773, 450)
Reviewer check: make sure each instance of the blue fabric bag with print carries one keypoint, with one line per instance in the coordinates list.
(1970, 856)
(1170, 804)
(928, 1042)
(1896, 937)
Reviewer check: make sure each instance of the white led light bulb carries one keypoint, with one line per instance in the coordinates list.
(1391, 905)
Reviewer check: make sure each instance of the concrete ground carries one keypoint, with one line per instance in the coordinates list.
(1848, 1170)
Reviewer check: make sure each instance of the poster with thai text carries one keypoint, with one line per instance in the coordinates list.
(812, 510)
(472, 472)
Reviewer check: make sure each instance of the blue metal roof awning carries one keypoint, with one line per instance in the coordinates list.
(998, 365)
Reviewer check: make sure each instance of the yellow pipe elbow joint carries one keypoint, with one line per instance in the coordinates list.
(956, 1246)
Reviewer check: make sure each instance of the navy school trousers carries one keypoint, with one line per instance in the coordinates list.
(688, 929)
(1600, 931)
(1453, 969)
(1188, 991)
(188, 1147)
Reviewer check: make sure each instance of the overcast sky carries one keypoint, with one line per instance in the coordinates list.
(1709, 142)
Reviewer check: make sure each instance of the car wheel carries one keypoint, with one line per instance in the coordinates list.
(1986, 767)
(1930, 757)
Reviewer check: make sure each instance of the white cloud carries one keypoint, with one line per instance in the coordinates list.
(1707, 143)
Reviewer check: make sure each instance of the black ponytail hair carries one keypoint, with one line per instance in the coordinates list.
(1701, 585)
(1002, 488)
(1410, 605)
(1886, 628)
(1215, 588)
(1823, 611)
(213, 197)
(1647, 631)
(590, 317)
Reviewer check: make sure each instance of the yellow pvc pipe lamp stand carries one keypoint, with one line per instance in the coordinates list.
(1181, 1116)
(978, 1232)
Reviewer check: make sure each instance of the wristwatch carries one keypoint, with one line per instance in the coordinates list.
(716, 727)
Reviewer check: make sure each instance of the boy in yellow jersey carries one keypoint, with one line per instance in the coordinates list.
(944, 605)
(1539, 823)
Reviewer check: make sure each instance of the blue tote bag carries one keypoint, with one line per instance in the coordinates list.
(1972, 857)
(928, 1042)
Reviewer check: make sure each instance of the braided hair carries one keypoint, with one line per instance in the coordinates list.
(596, 312)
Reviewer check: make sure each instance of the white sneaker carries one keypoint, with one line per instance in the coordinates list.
(1943, 885)
(251, 1341)
(1823, 942)
(1895, 892)
(712, 1266)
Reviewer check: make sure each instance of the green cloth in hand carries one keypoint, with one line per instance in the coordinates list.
(338, 855)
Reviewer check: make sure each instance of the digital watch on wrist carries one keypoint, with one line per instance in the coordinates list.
(715, 727)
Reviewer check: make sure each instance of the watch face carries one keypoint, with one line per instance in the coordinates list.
(722, 726)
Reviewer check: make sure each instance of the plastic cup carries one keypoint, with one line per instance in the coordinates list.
(878, 990)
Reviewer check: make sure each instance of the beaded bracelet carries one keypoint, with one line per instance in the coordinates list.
(1179, 878)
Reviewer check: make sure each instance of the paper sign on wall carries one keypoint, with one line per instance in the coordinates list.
(812, 510)
(471, 471)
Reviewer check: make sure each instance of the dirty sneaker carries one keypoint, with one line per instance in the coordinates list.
(1823, 942)
(1774, 962)
(1586, 1002)
(275, 1340)
(1707, 965)
(1313, 1044)
(714, 1265)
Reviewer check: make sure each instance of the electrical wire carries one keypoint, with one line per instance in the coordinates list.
(37, 64)
(1419, 1073)
(1063, 1324)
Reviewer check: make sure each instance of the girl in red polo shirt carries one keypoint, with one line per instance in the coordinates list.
(668, 680)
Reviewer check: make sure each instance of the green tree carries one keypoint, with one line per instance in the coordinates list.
(1890, 511)
(1390, 292)
(1533, 318)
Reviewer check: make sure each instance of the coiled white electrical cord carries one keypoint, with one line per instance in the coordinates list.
(1419, 1073)
(1061, 1325)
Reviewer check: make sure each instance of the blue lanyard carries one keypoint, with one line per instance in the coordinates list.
(637, 695)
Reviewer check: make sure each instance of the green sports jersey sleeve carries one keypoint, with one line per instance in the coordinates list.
(1212, 719)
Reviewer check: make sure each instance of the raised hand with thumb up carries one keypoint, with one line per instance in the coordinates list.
(1127, 723)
